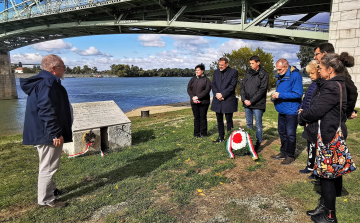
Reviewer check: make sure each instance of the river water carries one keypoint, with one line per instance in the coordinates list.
(128, 93)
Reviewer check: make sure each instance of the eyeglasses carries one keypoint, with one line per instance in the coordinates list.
(63, 67)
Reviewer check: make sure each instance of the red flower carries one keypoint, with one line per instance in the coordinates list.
(237, 138)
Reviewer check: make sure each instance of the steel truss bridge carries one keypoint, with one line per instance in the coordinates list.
(25, 22)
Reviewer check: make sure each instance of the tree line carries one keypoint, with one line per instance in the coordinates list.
(239, 59)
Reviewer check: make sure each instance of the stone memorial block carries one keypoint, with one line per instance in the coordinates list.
(106, 120)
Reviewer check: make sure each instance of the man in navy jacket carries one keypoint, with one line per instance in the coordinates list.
(47, 123)
(287, 99)
(224, 101)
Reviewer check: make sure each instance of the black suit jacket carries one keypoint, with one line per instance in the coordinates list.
(225, 85)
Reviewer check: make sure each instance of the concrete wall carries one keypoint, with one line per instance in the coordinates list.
(345, 34)
(7, 79)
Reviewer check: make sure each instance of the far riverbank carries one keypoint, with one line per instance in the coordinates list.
(70, 75)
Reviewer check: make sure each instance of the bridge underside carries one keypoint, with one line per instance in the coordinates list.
(253, 20)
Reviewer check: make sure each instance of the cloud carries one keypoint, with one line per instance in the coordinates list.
(180, 57)
(151, 40)
(27, 58)
(53, 46)
(190, 43)
(92, 51)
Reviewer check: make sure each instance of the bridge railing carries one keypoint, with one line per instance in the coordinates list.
(34, 8)
(273, 23)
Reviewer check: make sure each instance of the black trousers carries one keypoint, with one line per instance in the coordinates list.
(220, 123)
(329, 189)
(200, 119)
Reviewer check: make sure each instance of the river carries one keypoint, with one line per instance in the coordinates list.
(128, 93)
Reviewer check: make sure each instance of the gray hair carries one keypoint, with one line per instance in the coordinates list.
(50, 61)
(283, 62)
(338, 62)
(224, 59)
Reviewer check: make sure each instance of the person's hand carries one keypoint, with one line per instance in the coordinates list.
(353, 115)
(219, 96)
(307, 124)
(247, 102)
(275, 95)
(195, 98)
(300, 110)
(59, 141)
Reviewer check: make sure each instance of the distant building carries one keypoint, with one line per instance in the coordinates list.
(19, 70)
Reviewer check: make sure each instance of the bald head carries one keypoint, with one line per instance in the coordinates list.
(53, 64)
(282, 66)
(50, 61)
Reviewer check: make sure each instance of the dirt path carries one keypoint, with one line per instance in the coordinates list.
(252, 192)
(159, 109)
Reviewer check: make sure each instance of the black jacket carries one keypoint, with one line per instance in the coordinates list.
(47, 114)
(352, 94)
(225, 83)
(325, 106)
(254, 87)
(200, 87)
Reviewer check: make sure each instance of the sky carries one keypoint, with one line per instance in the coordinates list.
(149, 51)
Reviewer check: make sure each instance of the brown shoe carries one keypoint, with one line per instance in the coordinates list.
(287, 161)
(55, 204)
(279, 156)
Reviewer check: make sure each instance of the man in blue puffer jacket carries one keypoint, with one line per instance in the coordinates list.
(287, 99)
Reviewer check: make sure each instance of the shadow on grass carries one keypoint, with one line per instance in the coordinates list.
(142, 136)
(270, 136)
(140, 166)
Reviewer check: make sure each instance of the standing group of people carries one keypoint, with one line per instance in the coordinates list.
(329, 100)
(224, 101)
(328, 103)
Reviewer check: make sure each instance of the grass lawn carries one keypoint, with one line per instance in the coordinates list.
(169, 176)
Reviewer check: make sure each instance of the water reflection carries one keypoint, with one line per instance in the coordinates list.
(128, 93)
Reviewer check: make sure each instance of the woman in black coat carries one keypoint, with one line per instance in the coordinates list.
(199, 91)
(325, 106)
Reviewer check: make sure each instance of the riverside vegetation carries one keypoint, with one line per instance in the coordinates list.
(169, 176)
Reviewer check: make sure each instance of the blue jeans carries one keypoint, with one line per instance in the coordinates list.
(287, 125)
(258, 119)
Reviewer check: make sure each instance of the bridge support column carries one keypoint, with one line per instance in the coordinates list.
(7, 79)
(344, 34)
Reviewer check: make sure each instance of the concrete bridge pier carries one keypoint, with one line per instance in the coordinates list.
(7, 79)
(344, 34)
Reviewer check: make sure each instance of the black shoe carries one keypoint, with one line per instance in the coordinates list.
(312, 177)
(218, 140)
(58, 192)
(197, 137)
(279, 156)
(203, 135)
(327, 216)
(305, 171)
(318, 210)
(287, 161)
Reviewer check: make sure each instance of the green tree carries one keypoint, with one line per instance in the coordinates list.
(305, 55)
(239, 59)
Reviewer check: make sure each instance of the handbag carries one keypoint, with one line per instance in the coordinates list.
(333, 159)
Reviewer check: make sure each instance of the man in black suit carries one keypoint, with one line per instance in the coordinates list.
(224, 101)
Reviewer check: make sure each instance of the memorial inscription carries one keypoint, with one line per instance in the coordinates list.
(109, 123)
(97, 114)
